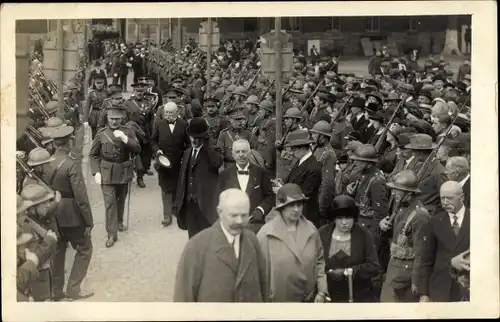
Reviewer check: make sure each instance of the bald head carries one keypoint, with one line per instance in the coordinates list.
(241, 152)
(452, 196)
(233, 210)
(457, 168)
(170, 111)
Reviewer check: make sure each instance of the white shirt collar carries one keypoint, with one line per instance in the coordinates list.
(465, 180)
(230, 238)
(305, 157)
(360, 115)
(240, 169)
(460, 216)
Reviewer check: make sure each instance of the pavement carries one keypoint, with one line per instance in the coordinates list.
(141, 266)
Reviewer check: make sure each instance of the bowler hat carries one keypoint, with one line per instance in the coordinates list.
(289, 193)
(366, 152)
(405, 180)
(298, 138)
(358, 102)
(420, 142)
(343, 206)
(198, 127)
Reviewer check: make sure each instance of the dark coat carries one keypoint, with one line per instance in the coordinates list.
(440, 246)
(359, 125)
(308, 177)
(74, 208)
(205, 175)
(94, 73)
(209, 271)
(367, 134)
(363, 260)
(173, 146)
(259, 190)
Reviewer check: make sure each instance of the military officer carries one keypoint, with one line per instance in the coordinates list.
(93, 107)
(410, 219)
(235, 131)
(264, 134)
(291, 121)
(215, 121)
(114, 99)
(325, 154)
(73, 217)
(112, 166)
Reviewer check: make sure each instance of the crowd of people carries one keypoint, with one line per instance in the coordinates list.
(364, 198)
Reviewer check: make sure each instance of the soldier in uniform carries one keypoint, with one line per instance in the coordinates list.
(401, 279)
(112, 166)
(291, 121)
(324, 153)
(114, 99)
(215, 121)
(235, 131)
(73, 217)
(140, 103)
(93, 108)
(264, 134)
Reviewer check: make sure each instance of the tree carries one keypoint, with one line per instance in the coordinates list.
(451, 40)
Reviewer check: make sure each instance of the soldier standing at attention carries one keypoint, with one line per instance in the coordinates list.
(215, 121)
(92, 110)
(234, 132)
(112, 166)
(74, 217)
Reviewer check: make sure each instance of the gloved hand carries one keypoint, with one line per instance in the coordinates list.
(97, 178)
(121, 135)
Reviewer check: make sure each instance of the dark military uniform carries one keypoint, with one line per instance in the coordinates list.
(215, 125)
(112, 158)
(328, 159)
(264, 139)
(94, 107)
(226, 139)
(404, 264)
(73, 217)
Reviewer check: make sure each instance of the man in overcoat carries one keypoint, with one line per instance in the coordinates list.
(446, 236)
(195, 201)
(223, 263)
(169, 139)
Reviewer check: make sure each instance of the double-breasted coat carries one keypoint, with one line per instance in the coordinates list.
(205, 175)
(173, 144)
(208, 270)
(440, 246)
(295, 267)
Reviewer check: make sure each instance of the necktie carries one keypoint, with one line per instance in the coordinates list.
(233, 244)
(455, 226)
(195, 153)
(243, 173)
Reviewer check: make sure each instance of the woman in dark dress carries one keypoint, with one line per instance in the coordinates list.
(346, 244)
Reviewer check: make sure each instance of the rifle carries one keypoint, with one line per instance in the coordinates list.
(428, 161)
(313, 94)
(381, 139)
(287, 90)
(341, 110)
(248, 87)
(263, 95)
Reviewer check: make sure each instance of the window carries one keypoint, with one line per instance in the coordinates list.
(291, 23)
(413, 24)
(249, 24)
(373, 24)
(335, 23)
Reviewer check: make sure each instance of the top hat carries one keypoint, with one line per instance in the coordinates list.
(289, 193)
(198, 127)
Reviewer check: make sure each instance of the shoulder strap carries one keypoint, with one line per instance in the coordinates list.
(56, 170)
(410, 217)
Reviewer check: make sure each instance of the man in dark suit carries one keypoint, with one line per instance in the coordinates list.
(457, 169)
(306, 173)
(358, 118)
(195, 201)
(250, 178)
(223, 263)
(74, 218)
(446, 236)
(169, 139)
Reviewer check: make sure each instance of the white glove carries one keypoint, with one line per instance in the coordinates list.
(86, 124)
(159, 152)
(121, 135)
(97, 178)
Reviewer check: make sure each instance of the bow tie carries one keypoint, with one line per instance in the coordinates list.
(243, 173)
(171, 122)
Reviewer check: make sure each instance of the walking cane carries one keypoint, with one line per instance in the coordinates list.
(128, 203)
(348, 273)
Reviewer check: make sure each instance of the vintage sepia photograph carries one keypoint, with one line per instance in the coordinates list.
(247, 159)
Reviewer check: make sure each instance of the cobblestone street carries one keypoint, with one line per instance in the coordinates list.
(142, 264)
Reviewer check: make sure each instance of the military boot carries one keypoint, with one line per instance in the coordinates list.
(140, 182)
